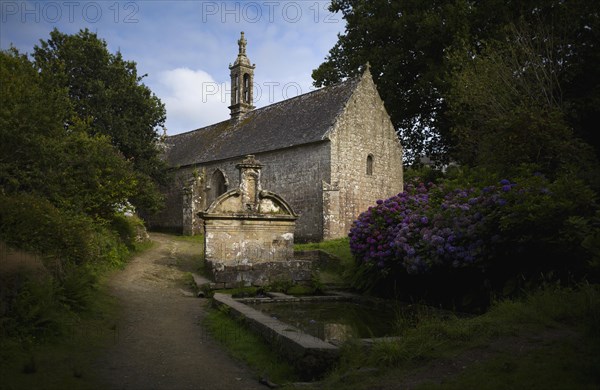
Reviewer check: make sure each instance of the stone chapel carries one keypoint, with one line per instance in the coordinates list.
(330, 154)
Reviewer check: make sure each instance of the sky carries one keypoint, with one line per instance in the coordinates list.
(186, 47)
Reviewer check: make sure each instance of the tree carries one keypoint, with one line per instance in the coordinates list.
(507, 106)
(31, 112)
(62, 191)
(106, 91)
(74, 170)
(408, 43)
(404, 43)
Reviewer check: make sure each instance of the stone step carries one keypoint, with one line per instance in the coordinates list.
(278, 295)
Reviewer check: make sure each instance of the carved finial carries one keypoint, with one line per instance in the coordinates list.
(250, 159)
(242, 45)
(368, 66)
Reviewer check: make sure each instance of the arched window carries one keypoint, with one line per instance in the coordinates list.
(370, 164)
(236, 88)
(246, 88)
(218, 186)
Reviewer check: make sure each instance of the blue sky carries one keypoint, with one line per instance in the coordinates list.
(185, 47)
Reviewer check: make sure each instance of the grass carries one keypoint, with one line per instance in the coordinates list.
(249, 347)
(571, 361)
(554, 366)
(556, 329)
(62, 361)
(332, 274)
(60, 354)
(339, 248)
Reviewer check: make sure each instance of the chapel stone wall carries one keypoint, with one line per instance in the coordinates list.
(363, 132)
(296, 174)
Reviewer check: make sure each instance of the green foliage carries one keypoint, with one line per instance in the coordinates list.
(65, 180)
(425, 174)
(556, 366)
(587, 231)
(470, 236)
(68, 356)
(72, 169)
(37, 312)
(409, 44)
(106, 92)
(510, 94)
(34, 224)
(404, 43)
(130, 229)
(75, 252)
(249, 347)
(570, 313)
(280, 285)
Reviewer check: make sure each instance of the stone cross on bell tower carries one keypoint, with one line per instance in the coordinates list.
(242, 82)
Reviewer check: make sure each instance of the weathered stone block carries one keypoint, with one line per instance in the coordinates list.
(249, 234)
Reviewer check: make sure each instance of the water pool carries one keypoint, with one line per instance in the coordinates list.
(335, 321)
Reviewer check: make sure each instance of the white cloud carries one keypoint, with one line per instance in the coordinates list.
(193, 99)
(187, 58)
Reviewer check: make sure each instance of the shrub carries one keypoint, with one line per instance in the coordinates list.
(74, 249)
(130, 228)
(501, 229)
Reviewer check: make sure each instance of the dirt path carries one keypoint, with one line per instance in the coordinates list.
(160, 342)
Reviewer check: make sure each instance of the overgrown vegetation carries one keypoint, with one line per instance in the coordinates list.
(548, 337)
(246, 345)
(486, 82)
(59, 356)
(332, 273)
(551, 321)
(473, 236)
(68, 186)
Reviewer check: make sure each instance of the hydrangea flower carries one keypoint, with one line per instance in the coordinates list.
(420, 232)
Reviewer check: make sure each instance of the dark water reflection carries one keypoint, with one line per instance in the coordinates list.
(331, 321)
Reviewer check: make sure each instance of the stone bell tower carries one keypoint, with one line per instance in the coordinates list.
(242, 82)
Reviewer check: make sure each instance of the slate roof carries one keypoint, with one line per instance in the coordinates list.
(300, 120)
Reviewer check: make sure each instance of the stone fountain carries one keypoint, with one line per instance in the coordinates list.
(249, 235)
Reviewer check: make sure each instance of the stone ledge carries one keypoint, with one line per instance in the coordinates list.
(260, 274)
(311, 356)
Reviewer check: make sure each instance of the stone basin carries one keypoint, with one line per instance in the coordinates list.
(311, 356)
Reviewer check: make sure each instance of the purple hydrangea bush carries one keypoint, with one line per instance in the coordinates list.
(441, 238)
(428, 227)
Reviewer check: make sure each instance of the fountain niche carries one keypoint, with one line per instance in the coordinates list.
(249, 235)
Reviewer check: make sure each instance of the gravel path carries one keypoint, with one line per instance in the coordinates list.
(160, 342)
